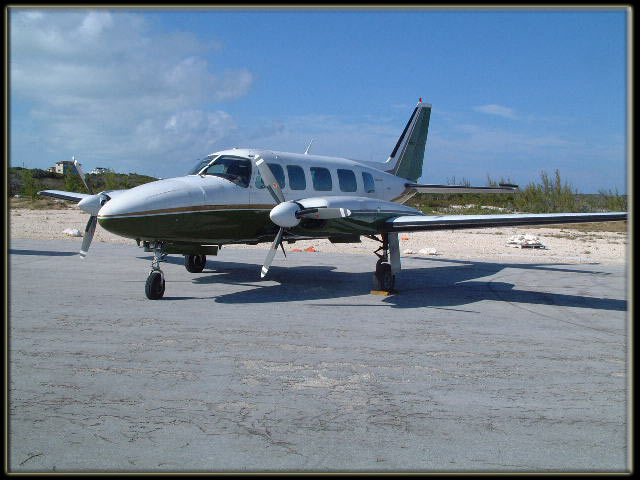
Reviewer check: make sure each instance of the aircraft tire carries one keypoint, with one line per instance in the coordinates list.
(383, 279)
(195, 263)
(154, 288)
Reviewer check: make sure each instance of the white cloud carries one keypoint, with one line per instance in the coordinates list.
(493, 109)
(93, 24)
(102, 85)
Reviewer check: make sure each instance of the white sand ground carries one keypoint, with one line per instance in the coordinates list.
(562, 245)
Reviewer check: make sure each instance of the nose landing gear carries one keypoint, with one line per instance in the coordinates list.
(154, 287)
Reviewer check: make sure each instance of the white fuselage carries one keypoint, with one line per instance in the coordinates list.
(200, 191)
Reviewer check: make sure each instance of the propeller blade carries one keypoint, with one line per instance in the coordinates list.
(88, 235)
(270, 181)
(272, 253)
(81, 173)
(323, 213)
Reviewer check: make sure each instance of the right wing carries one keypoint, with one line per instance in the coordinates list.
(414, 223)
(71, 196)
(501, 188)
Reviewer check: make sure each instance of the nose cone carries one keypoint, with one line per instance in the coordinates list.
(91, 204)
(284, 214)
(138, 212)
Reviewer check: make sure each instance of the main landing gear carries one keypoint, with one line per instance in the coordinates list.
(154, 288)
(384, 279)
(195, 263)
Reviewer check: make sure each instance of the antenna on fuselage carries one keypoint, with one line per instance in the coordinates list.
(306, 152)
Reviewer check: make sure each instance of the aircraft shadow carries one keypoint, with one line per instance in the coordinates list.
(48, 253)
(439, 286)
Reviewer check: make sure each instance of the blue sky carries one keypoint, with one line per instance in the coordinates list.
(150, 91)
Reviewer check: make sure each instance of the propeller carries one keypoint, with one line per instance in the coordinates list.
(81, 173)
(89, 230)
(270, 180)
(276, 192)
(288, 214)
(92, 206)
(272, 253)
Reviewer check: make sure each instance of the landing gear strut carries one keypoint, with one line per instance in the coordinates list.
(384, 279)
(195, 263)
(154, 288)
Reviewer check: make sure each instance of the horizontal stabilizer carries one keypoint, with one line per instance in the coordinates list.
(411, 223)
(71, 196)
(502, 188)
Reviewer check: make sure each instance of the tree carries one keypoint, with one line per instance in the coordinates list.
(111, 180)
(30, 186)
(72, 183)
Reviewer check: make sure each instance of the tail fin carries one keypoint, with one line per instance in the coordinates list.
(407, 156)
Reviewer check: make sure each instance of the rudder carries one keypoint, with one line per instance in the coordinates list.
(408, 154)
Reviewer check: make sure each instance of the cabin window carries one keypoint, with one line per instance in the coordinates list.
(234, 169)
(321, 179)
(277, 171)
(347, 180)
(369, 185)
(297, 181)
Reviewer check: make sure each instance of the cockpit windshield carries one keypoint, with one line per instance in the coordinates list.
(200, 165)
(234, 169)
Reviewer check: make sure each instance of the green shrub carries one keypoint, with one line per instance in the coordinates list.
(551, 194)
(110, 181)
(30, 186)
(72, 182)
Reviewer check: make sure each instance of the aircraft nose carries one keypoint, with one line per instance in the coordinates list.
(116, 207)
(147, 211)
(116, 216)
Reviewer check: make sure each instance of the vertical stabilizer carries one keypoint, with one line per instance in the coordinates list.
(407, 156)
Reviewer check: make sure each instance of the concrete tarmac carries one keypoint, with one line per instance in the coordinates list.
(472, 366)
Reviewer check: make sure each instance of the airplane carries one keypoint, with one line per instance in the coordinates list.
(249, 196)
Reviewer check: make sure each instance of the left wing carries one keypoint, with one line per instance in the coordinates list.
(77, 197)
(411, 223)
(71, 196)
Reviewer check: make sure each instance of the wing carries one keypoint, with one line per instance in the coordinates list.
(411, 223)
(76, 197)
(501, 188)
(71, 196)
